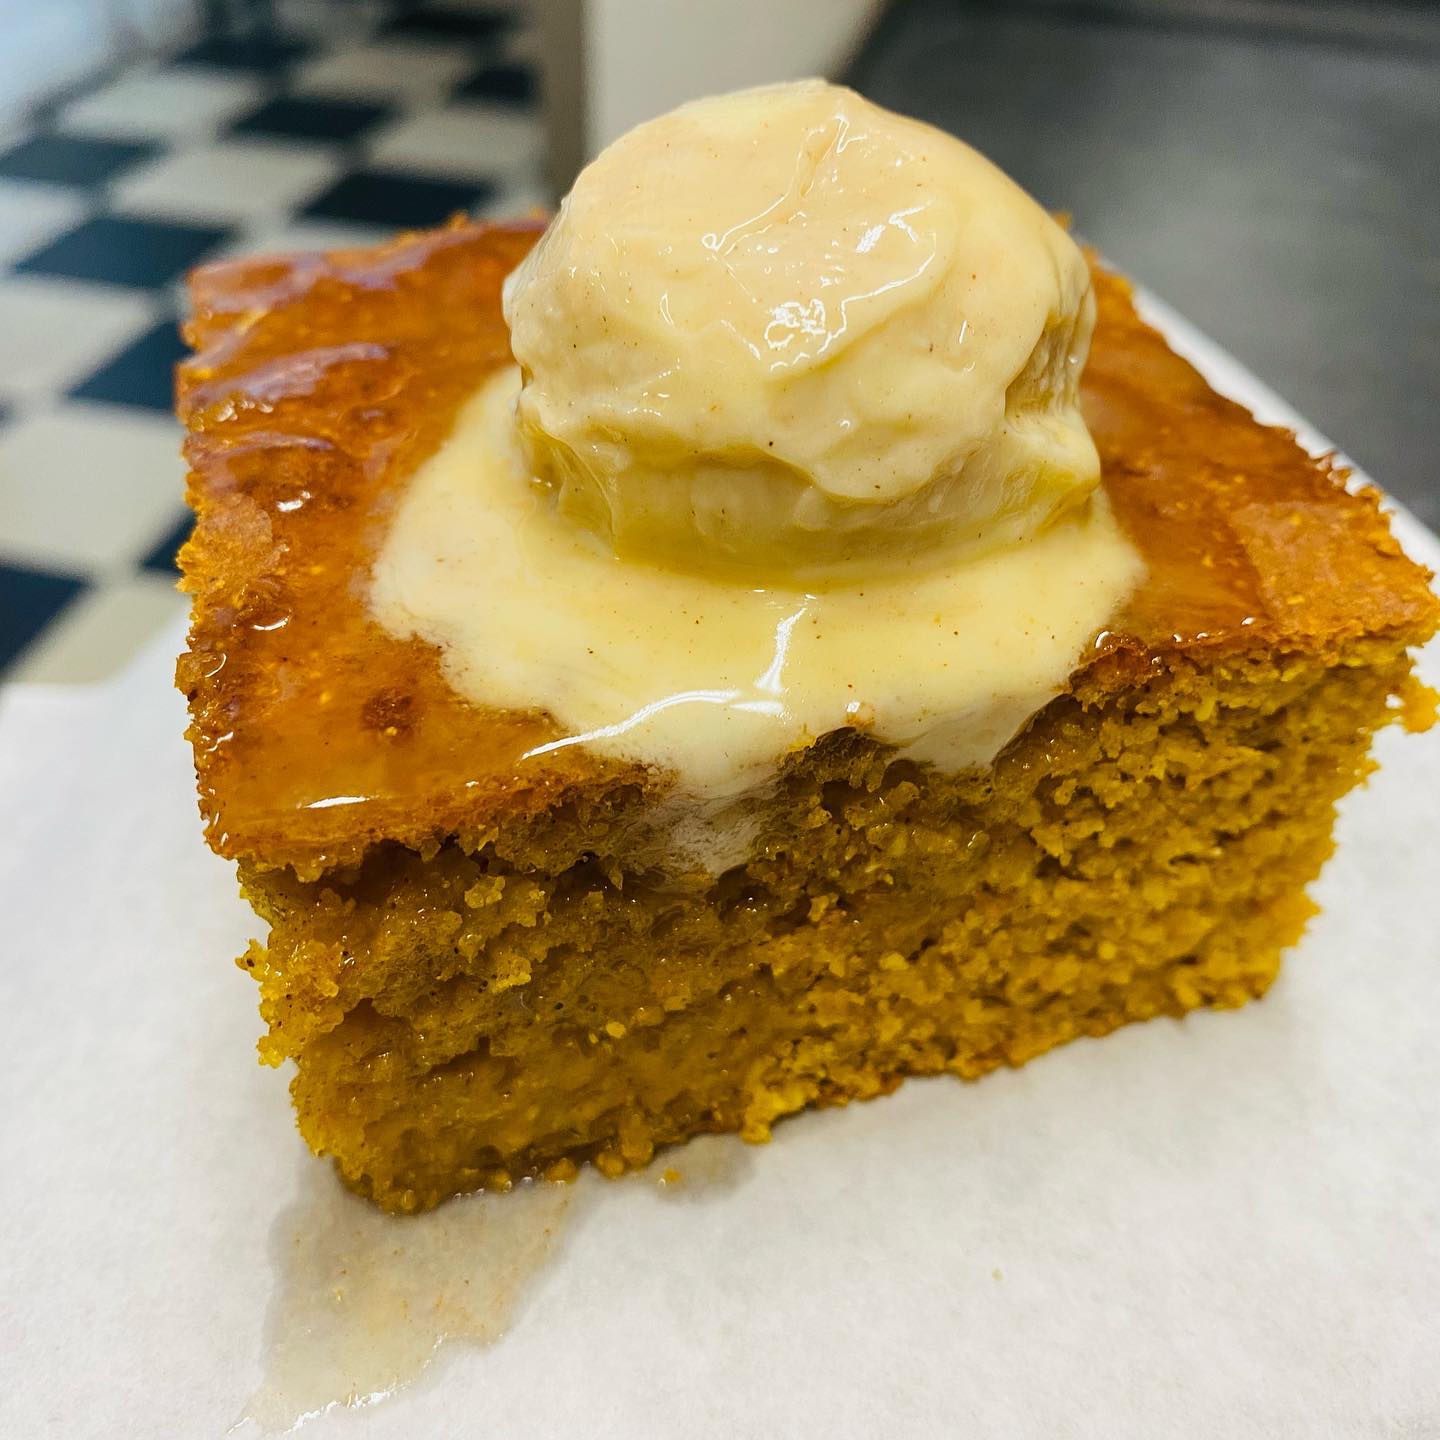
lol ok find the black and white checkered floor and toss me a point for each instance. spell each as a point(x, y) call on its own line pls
point(335, 125)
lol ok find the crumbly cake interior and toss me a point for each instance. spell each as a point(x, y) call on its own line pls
point(477, 969)
point(518, 1002)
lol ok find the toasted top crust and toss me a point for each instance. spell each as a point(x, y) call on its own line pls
point(320, 382)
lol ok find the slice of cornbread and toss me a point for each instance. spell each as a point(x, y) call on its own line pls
point(484, 967)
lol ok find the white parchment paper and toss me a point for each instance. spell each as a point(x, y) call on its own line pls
point(1228, 1226)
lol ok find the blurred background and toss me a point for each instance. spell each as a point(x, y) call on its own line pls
point(1269, 167)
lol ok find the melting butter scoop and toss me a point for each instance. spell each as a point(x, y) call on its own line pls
point(794, 443)
point(785, 331)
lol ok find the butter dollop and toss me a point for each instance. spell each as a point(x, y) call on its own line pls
point(792, 444)
point(787, 332)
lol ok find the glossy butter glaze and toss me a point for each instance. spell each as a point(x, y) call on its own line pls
point(319, 384)
point(717, 680)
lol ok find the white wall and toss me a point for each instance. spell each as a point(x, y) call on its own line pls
point(642, 57)
point(45, 44)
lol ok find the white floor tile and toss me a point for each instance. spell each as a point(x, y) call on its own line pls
point(52, 332)
point(88, 486)
point(409, 70)
point(228, 181)
point(173, 104)
point(463, 140)
point(525, 46)
point(478, 7)
point(31, 214)
point(97, 635)
point(325, 20)
point(296, 235)
point(520, 201)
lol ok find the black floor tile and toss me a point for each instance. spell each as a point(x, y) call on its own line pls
point(162, 558)
point(142, 374)
point(29, 601)
point(297, 117)
point(504, 84)
point(73, 159)
point(120, 250)
point(259, 53)
point(437, 23)
point(380, 197)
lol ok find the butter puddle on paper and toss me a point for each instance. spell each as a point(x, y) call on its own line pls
point(365, 1301)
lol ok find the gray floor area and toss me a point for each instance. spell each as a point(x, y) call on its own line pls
point(1279, 183)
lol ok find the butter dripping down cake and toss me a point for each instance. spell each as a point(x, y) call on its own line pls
point(489, 956)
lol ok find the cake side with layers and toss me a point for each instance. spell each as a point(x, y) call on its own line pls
point(481, 1015)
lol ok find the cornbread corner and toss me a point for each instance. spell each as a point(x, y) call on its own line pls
point(481, 972)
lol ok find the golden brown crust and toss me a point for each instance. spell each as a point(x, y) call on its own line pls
point(320, 382)
point(1251, 545)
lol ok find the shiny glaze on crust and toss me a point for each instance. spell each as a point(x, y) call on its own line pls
point(320, 382)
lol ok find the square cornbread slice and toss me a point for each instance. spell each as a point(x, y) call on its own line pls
point(478, 971)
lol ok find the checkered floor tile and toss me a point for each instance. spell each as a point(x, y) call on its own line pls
point(334, 125)
point(73, 159)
